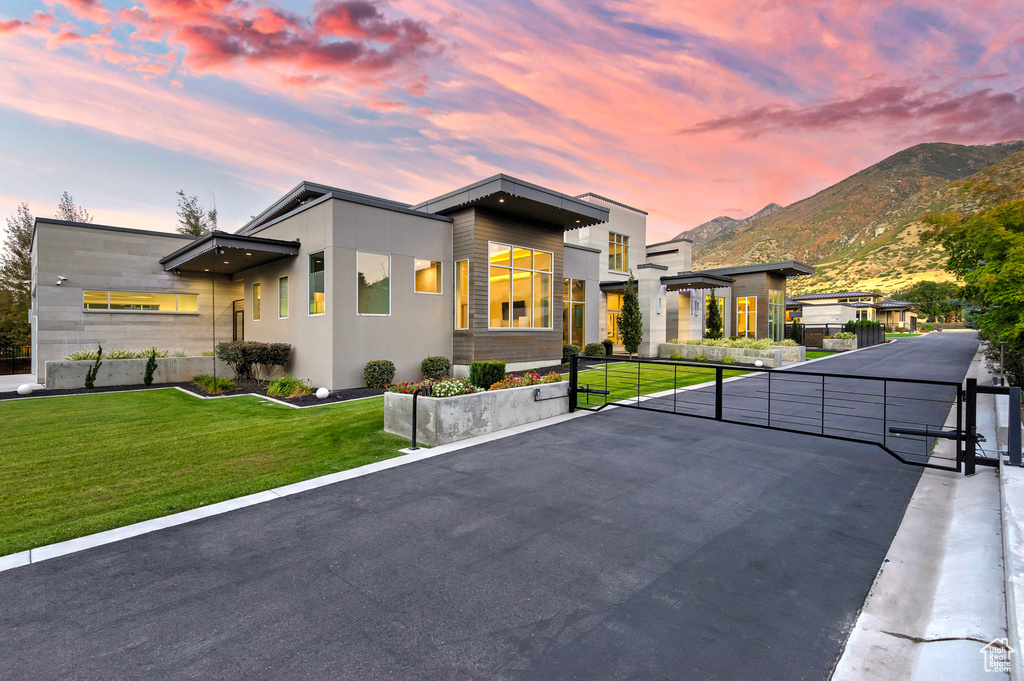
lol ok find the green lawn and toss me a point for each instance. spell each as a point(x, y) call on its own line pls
point(71, 466)
point(900, 335)
point(815, 354)
point(621, 378)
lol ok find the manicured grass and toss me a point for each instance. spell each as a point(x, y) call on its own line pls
point(621, 379)
point(900, 335)
point(71, 466)
point(815, 354)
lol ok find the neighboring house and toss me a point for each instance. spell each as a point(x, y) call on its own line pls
point(479, 273)
point(839, 308)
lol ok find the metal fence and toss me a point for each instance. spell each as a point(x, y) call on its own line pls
point(813, 335)
point(15, 359)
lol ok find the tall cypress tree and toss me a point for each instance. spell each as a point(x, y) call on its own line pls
point(631, 322)
point(714, 326)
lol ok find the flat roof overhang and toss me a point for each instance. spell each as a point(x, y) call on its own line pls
point(504, 194)
point(224, 253)
point(786, 268)
point(695, 280)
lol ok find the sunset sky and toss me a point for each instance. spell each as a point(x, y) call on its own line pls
point(688, 110)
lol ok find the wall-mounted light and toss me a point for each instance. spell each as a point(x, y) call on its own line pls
point(61, 279)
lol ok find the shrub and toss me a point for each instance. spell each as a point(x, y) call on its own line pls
point(213, 386)
point(81, 356)
point(435, 367)
point(147, 378)
point(179, 353)
point(844, 335)
point(485, 374)
point(253, 361)
point(378, 373)
point(158, 351)
point(701, 358)
point(525, 379)
point(762, 344)
point(121, 353)
point(728, 359)
point(789, 343)
point(608, 346)
point(927, 327)
point(208, 353)
point(288, 386)
point(593, 350)
point(568, 350)
point(90, 374)
point(675, 355)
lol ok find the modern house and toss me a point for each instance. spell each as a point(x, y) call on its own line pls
point(475, 274)
point(839, 308)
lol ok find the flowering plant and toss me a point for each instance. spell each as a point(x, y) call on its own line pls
point(528, 378)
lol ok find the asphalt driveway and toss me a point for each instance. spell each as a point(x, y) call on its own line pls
point(622, 545)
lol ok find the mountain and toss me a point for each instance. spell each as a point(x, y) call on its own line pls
point(863, 232)
point(723, 223)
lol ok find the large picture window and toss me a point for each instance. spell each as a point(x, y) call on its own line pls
point(138, 301)
point(746, 316)
point(462, 294)
point(317, 296)
point(373, 284)
point(282, 297)
point(618, 252)
point(519, 287)
point(428, 276)
point(574, 298)
point(614, 307)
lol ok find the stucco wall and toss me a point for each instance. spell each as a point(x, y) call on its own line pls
point(583, 265)
point(94, 258)
point(332, 349)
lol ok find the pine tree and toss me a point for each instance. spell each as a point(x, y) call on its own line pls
point(15, 276)
point(631, 322)
point(193, 219)
point(67, 210)
point(714, 325)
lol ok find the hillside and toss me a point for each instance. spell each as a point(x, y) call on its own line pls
point(863, 231)
point(701, 234)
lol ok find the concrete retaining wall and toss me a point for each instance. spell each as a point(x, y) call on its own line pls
point(64, 374)
point(839, 344)
point(771, 358)
point(792, 353)
point(441, 420)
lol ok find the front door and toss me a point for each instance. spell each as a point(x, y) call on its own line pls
point(238, 328)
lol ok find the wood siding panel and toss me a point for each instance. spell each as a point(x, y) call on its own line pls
point(473, 229)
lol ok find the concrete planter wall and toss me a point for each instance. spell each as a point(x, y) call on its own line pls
point(64, 374)
point(771, 358)
point(839, 344)
point(791, 353)
point(441, 420)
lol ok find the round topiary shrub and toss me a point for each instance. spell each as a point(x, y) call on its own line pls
point(379, 373)
point(593, 350)
point(568, 350)
point(436, 367)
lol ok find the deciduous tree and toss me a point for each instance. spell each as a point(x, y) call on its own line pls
point(15, 278)
point(193, 219)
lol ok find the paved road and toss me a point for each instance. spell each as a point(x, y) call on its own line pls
point(623, 545)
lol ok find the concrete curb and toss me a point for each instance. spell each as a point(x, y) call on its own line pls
point(837, 354)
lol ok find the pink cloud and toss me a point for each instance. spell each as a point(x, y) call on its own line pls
point(94, 10)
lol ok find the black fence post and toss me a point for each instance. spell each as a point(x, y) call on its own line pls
point(718, 393)
point(1013, 431)
point(573, 379)
point(415, 396)
point(971, 430)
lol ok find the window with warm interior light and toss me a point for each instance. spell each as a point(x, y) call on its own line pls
point(574, 299)
point(519, 287)
point(746, 316)
point(256, 302)
point(317, 296)
point(138, 301)
point(462, 294)
point(428, 276)
point(618, 252)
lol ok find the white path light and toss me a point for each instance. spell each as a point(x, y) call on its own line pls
point(322, 393)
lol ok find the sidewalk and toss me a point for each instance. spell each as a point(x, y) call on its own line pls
point(9, 384)
point(940, 595)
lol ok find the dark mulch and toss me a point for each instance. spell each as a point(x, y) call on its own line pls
point(243, 388)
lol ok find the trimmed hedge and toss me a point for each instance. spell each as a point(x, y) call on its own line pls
point(485, 374)
point(568, 350)
point(436, 367)
point(252, 360)
point(593, 350)
point(379, 373)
